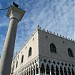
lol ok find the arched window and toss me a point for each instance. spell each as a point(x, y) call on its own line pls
point(70, 53)
point(53, 48)
point(22, 58)
point(30, 51)
point(16, 64)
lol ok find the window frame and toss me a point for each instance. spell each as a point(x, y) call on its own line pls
point(53, 48)
point(22, 58)
point(70, 52)
point(30, 52)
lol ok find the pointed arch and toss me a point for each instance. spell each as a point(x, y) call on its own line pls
point(42, 69)
point(47, 69)
point(70, 53)
point(61, 70)
point(52, 48)
point(65, 72)
point(73, 72)
point(69, 71)
point(52, 70)
point(30, 51)
point(57, 71)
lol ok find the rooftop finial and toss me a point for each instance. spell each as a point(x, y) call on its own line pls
point(38, 27)
point(57, 34)
point(47, 31)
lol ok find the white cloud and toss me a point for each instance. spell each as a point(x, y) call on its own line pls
point(0, 6)
point(54, 15)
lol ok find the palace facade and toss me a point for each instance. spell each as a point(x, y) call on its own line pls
point(45, 53)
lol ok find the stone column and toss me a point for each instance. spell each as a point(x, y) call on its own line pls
point(45, 69)
point(28, 70)
point(67, 71)
point(35, 68)
point(15, 15)
point(71, 71)
point(55, 70)
point(39, 70)
point(50, 69)
point(63, 70)
point(59, 69)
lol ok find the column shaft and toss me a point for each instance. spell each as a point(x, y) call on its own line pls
point(39, 70)
point(50, 69)
point(55, 70)
point(8, 49)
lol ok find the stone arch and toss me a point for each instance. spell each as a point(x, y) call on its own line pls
point(65, 71)
point(61, 70)
point(49, 61)
point(42, 69)
point(52, 48)
point(36, 68)
point(47, 69)
point(70, 53)
point(73, 72)
point(69, 72)
point(57, 70)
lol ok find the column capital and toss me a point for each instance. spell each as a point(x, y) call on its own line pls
point(14, 12)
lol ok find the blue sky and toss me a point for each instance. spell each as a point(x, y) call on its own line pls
point(53, 15)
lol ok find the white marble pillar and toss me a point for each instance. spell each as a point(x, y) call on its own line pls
point(30, 70)
point(35, 68)
point(15, 15)
point(39, 70)
point(26, 72)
